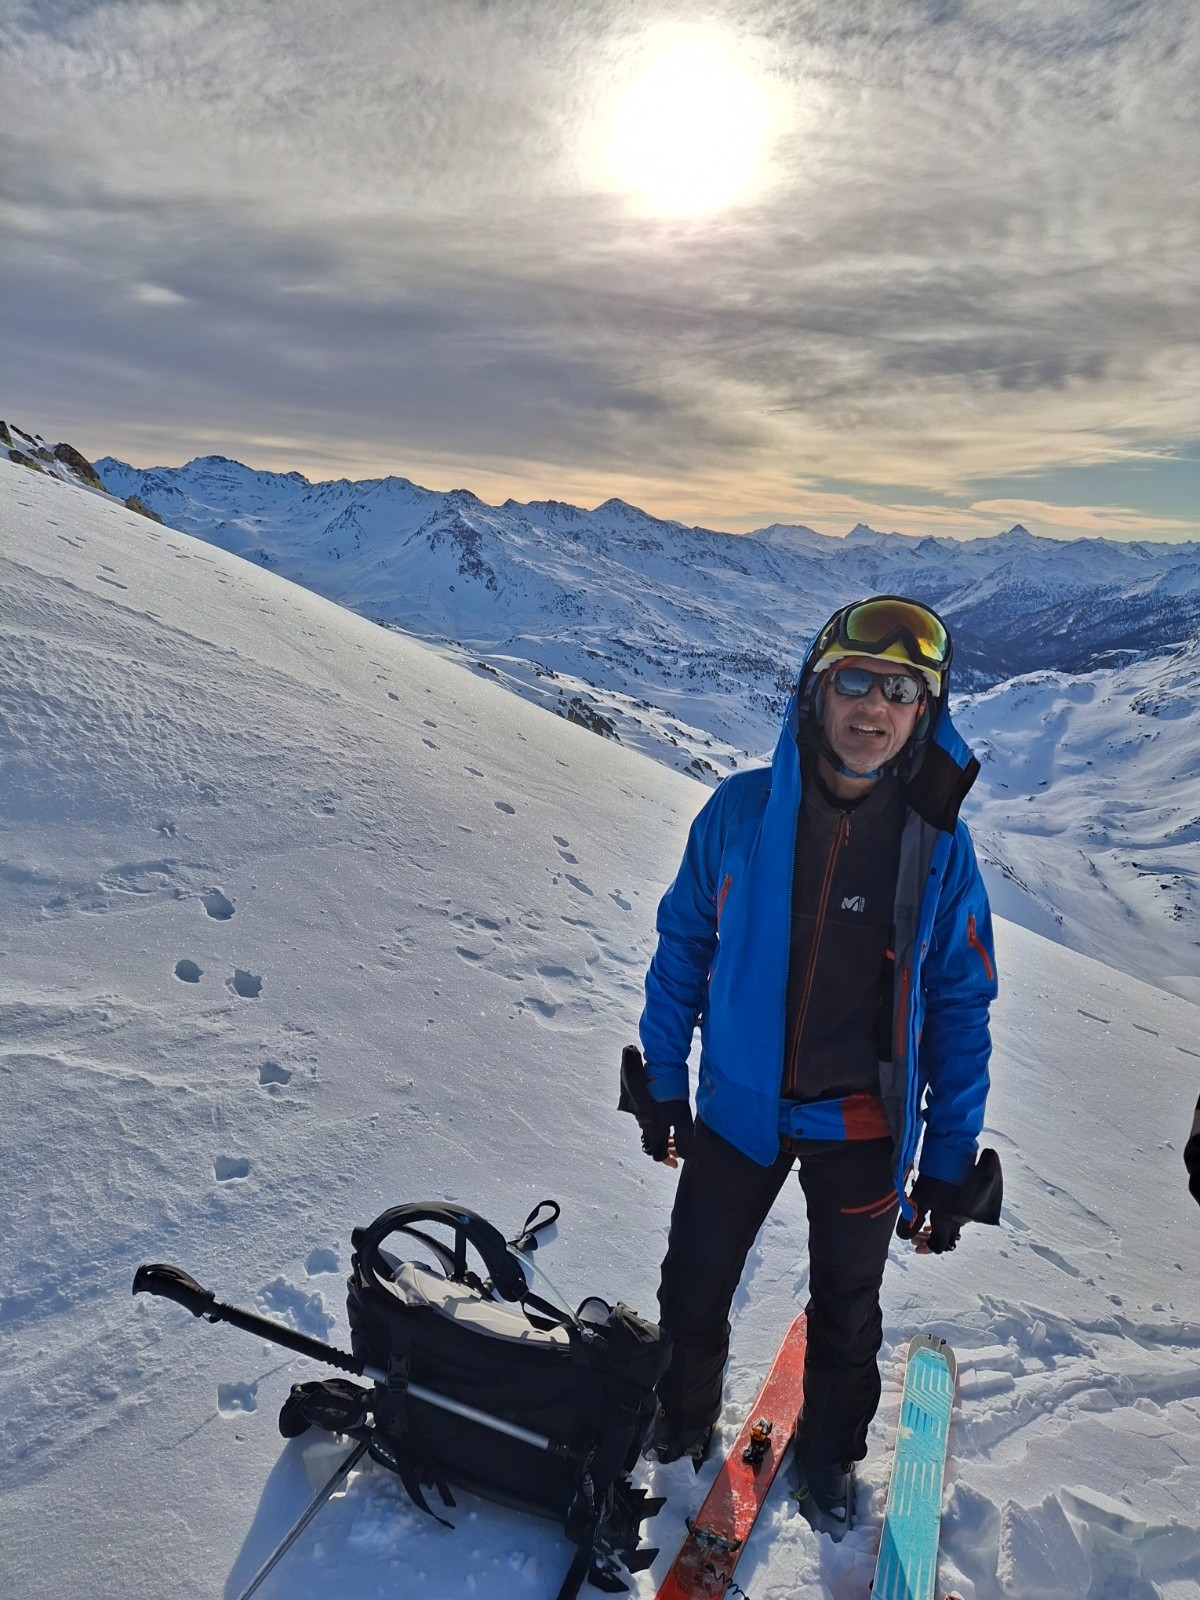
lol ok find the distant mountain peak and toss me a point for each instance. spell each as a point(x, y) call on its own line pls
point(787, 533)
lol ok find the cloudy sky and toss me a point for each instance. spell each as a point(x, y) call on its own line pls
point(932, 264)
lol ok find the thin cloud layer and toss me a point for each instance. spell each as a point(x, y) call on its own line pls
point(383, 238)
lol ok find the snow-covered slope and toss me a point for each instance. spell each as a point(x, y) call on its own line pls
point(683, 643)
point(1088, 810)
point(301, 919)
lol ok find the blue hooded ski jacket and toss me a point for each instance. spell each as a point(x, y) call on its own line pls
point(724, 930)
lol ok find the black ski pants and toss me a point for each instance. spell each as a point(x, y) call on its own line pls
point(720, 1204)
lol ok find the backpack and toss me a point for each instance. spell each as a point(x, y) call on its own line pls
point(482, 1384)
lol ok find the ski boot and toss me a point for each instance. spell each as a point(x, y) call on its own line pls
point(667, 1442)
point(825, 1496)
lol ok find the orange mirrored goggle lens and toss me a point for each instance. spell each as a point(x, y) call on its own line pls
point(877, 623)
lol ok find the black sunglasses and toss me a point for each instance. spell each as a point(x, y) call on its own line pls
point(857, 682)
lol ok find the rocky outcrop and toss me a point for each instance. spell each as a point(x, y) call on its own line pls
point(78, 464)
point(132, 503)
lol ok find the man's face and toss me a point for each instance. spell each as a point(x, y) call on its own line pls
point(869, 732)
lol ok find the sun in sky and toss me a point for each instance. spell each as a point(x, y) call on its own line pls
point(692, 129)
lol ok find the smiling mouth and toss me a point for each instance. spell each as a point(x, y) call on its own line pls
point(873, 733)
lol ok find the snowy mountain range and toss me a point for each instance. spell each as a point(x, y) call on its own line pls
point(1080, 657)
point(684, 608)
point(300, 918)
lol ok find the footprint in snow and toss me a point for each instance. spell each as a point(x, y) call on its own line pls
point(306, 1311)
point(321, 1261)
point(217, 904)
point(230, 1169)
point(272, 1076)
point(233, 1398)
point(546, 1009)
point(188, 971)
point(578, 883)
point(503, 805)
point(248, 985)
point(625, 905)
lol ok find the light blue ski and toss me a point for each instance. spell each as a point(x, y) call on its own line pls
point(908, 1551)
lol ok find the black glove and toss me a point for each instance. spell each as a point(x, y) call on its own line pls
point(939, 1200)
point(948, 1205)
point(1191, 1157)
point(658, 1119)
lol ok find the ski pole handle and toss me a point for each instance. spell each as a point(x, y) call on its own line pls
point(174, 1284)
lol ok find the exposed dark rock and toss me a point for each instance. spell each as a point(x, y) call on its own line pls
point(142, 509)
point(578, 711)
point(79, 465)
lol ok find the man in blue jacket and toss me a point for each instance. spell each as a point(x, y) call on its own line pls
point(829, 932)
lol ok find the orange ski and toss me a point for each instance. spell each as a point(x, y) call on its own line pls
point(718, 1532)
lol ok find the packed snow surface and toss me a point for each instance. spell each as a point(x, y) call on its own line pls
point(302, 919)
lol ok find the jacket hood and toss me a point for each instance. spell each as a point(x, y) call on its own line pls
point(940, 765)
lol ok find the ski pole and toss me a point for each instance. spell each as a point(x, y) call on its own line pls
point(297, 1528)
point(172, 1283)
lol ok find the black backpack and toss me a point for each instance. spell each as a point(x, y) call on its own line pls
point(483, 1384)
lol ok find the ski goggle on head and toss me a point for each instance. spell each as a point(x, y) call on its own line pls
point(901, 688)
point(891, 628)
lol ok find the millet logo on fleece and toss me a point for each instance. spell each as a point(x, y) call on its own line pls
point(854, 902)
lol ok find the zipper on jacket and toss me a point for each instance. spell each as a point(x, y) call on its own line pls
point(721, 893)
point(840, 835)
point(902, 1014)
point(976, 943)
